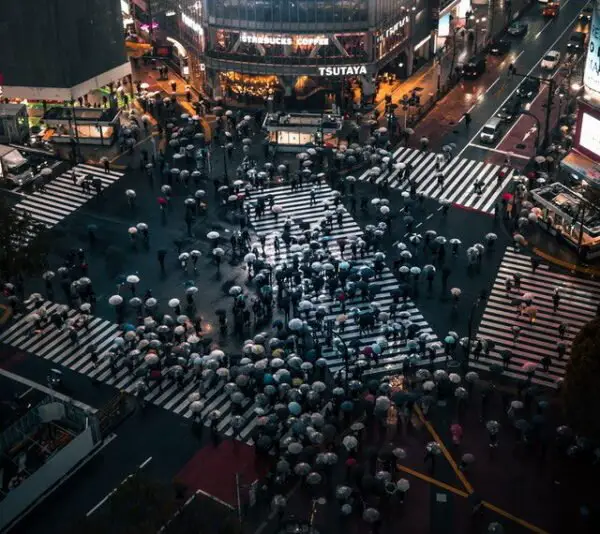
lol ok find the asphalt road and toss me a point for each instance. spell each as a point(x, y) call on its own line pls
point(526, 53)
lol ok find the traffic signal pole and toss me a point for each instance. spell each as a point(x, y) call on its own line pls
point(512, 71)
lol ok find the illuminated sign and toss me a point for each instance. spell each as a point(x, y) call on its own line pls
point(192, 24)
point(349, 70)
point(396, 27)
point(591, 77)
point(589, 138)
point(287, 40)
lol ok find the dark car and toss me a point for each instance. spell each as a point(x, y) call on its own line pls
point(576, 43)
point(585, 17)
point(517, 29)
point(529, 88)
point(500, 47)
point(510, 111)
point(474, 68)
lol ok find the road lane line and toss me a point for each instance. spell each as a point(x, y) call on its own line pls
point(567, 28)
point(490, 87)
point(512, 154)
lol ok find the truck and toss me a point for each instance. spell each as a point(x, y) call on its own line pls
point(15, 170)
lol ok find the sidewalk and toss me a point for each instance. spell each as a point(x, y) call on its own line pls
point(145, 73)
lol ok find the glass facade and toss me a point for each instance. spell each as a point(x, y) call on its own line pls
point(290, 11)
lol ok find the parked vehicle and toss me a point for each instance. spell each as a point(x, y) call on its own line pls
point(491, 131)
point(15, 170)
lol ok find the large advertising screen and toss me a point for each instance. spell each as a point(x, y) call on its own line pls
point(589, 138)
point(591, 77)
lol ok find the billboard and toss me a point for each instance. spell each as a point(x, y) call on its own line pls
point(587, 131)
point(591, 76)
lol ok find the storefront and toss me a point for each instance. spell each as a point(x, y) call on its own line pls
point(567, 215)
point(92, 126)
point(293, 132)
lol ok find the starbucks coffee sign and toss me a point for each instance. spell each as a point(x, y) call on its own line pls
point(345, 70)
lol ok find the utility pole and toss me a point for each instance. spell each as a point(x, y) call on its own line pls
point(549, 106)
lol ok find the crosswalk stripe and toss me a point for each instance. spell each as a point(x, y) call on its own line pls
point(55, 346)
point(297, 206)
point(61, 196)
point(459, 177)
point(579, 300)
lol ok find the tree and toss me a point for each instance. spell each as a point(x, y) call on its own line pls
point(580, 396)
point(24, 244)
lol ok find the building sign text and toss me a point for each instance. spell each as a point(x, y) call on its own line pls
point(286, 40)
point(591, 77)
point(392, 30)
point(349, 70)
point(192, 24)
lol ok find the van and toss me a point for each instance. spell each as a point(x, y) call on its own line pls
point(491, 130)
point(474, 68)
point(15, 170)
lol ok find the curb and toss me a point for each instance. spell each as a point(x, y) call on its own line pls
point(573, 267)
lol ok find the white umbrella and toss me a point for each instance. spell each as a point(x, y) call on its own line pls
point(173, 303)
point(133, 279)
point(115, 300)
point(213, 235)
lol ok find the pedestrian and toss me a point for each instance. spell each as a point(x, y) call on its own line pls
point(517, 280)
point(561, 349)
point(535, 263)
point(546, 360)
point(161, 254)
point(467, 117)
point(562, 330)
point(555, 299)
point(516, 330)
point(508, 286)
point(106, 166)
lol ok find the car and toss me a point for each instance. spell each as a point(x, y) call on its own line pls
point(491, 130)
point(511, 109)
point(585, 16)
point(529, 88)
point(551, 9)
point(551, 60)
point(500, 47)
point(576, 44)
point(474, 68)
point(517, 29)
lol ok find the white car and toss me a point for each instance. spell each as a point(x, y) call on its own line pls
point(551, 60)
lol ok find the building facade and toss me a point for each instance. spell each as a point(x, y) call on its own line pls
point(58, 50)
point(294, 48)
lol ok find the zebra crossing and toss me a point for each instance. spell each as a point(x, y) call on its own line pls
point(460, 175)
point(298, 207)
point(64, 194)
point(55, 346)
point(577, 306)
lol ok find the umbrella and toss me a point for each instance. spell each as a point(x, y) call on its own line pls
point(213, 235)
point(403, 485)
point(133, 279)
point(371, 515)
point(115, 300)
point(302, 469)
point(173, 303)
point(313, 478)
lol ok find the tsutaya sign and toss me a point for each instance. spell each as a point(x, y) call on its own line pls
point(348, 70)
point(289, 40)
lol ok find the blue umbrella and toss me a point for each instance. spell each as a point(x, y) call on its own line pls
point(294, 408)
point(347, 406)
point(128, 327)
point(268, 378)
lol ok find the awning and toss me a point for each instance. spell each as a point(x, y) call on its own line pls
point(583, 167)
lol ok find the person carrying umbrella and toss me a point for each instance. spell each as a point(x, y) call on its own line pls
point(555, 299)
